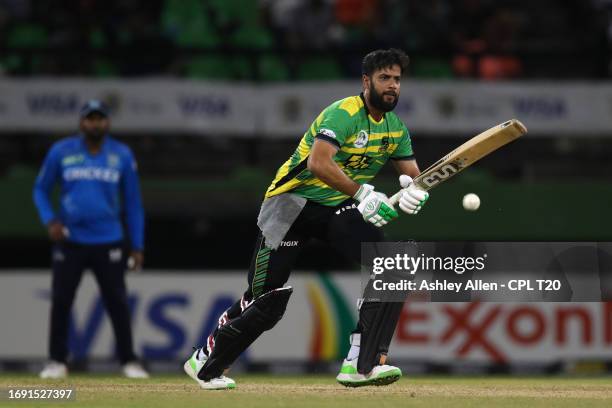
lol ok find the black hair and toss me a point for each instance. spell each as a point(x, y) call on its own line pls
point(380, 59)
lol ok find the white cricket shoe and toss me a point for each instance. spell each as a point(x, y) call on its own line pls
point(134, 370)
point(54, 370)
point(192, 368)
point(380, 375)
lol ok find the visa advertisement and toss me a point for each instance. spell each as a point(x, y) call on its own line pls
point(164, 106)
point(172, 311)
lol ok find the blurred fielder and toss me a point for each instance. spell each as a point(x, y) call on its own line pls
point(98, 182)
point(322, 192)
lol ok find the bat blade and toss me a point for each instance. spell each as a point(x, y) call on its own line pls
point(467, 154)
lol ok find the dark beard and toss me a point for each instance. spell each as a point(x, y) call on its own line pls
point(95, 136)
point(378, 102)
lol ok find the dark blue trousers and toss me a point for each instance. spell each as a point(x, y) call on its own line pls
point(108, 263)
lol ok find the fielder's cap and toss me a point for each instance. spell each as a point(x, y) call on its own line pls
point(92, 106)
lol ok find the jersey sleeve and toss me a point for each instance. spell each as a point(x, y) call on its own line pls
point(47, 177)
point(132, 202)
point(334, 126)
point(404, 148)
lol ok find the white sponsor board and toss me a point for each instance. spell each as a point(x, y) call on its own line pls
point(243, 109)
point(171, 313)
point(448, 107)
point(174, 311)
point(151, 105)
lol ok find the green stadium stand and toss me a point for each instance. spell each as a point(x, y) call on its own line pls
point(101, 67)
point(433, 68)
point(187, 22)
point(319, 68)
point(272, 68)
point(24, 35)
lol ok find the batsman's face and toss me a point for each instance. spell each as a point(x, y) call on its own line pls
point(384, 87)
point(94, 126)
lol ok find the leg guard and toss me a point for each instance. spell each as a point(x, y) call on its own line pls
point(377, 321)
point(240, 332)
point(380, 310)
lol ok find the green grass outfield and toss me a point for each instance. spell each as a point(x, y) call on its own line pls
point(178, 391)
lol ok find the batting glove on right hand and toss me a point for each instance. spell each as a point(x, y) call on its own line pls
point(412, 198)
point(375, 207)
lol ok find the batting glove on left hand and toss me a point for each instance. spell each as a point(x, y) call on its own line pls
point(412, 198)
point(375, 207)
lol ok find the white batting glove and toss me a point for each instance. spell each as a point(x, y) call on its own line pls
point(412, 198)
point(375, 207)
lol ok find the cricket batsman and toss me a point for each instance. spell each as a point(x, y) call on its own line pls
point(323, 192)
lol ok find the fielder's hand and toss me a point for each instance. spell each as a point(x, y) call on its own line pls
point(375, 207)
point(135, 261)
point(57, 231)
point(412, 198)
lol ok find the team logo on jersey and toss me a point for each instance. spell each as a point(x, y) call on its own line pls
point(328, 133)
point(362, 139)
point(113, 160)
point(74, 159)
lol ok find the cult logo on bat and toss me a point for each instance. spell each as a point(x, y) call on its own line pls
point(442, 173)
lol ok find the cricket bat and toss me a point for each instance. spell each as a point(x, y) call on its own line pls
point(467, 154)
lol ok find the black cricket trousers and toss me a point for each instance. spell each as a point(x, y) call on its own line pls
point(342, 227)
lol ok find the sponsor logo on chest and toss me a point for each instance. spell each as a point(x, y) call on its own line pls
point(92, 173)
point(79, 167)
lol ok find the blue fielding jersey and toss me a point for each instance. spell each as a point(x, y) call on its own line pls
point(95, 191)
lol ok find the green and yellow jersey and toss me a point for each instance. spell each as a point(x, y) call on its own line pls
point(364, 146)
